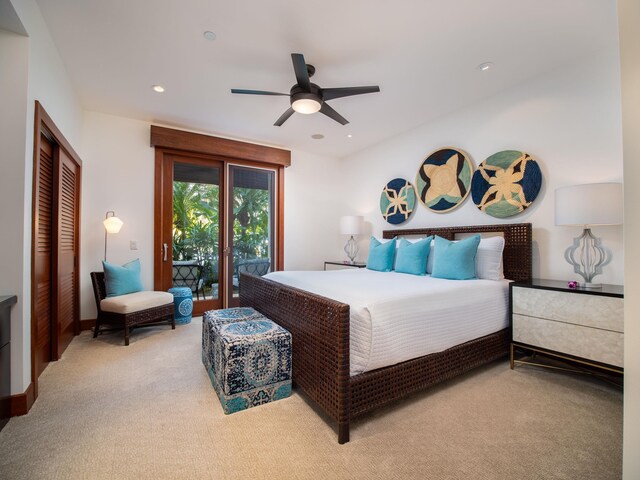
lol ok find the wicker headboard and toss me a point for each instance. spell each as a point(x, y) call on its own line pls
point(517, 244)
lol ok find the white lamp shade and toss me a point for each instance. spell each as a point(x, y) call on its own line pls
point(113, 224)
point(591, 204)
point(351, 225)
point(306, 106)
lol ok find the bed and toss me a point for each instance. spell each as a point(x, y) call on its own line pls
point(320, 328)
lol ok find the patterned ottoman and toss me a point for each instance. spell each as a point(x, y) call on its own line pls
point(218, 317)
point(247, 357)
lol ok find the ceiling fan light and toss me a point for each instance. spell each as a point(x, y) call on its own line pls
point(306, 105)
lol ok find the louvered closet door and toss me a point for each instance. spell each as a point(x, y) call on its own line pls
point(43, 210)
point(67, 247)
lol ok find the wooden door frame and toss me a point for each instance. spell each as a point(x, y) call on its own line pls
point(43, 124)
point(178, 142)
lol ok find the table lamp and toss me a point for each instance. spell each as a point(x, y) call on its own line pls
point(351, 225)
point(588, 205)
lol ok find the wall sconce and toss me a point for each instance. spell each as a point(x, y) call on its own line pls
point(112, 224)
point(589, 205)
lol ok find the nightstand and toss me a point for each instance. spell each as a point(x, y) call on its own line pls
point(343, 265)
point(580, 325)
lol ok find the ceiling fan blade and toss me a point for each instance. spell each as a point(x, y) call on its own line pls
point(331, 93)
point(300, 68)
point(331, 113)
point(283, 117)
point(257, 92)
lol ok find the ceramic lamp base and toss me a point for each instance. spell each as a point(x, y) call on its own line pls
point(351, 249)
point(587, 256)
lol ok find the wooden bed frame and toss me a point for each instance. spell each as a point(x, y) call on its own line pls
point(320, 330)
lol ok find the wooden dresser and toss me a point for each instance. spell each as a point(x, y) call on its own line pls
point(6, 302)
point(583, 325)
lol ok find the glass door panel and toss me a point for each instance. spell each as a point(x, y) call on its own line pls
point(252, 221)
point(196, 231)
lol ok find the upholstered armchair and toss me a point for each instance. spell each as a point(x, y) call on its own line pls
point(132, 309)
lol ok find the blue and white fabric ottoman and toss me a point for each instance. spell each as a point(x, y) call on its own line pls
point(219, 317)
point(247, 357)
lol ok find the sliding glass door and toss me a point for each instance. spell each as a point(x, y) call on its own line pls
point(215, 221)
point(251, 235)
point(192, 226)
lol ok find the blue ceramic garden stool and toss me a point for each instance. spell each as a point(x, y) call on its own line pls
point(183, 304)
point(248, 359)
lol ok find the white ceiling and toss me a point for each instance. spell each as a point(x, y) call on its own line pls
point(422, 53)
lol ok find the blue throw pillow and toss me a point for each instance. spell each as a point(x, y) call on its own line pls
point(455, 260)
point(412, 257)
point(381, 255)
point(120, 280)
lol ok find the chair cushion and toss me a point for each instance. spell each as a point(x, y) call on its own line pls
point(135, 302)
point(120, 280)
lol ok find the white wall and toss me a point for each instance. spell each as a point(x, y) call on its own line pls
point(118, 175)
point(13, 98)
point(314, 192)
point(14, 51)
point(46, 80)
point(569, 120)
point(629, 15)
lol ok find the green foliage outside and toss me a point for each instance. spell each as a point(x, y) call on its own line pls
point(196, 225)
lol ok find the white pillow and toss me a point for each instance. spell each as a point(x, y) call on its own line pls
point(432, 253)
point(488, 258)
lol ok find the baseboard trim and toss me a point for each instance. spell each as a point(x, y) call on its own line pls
point(87, 324)
point(22, 402)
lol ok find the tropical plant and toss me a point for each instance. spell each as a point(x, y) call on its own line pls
point(196, 224)
point(250, 223)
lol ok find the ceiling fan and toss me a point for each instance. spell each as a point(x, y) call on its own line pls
point(307, 97)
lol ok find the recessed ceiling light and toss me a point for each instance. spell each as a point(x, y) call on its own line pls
point(349, 135)
point(317, 136)
point(485, 66)
point(158, 88)
point(209, 35)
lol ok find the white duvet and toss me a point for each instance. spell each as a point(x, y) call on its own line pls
point(397, 317)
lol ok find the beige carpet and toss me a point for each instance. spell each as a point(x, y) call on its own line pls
point(148, 411)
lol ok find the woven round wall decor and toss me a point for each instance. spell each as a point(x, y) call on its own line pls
point(397, 201)
point(506, 183)
point(443, 179)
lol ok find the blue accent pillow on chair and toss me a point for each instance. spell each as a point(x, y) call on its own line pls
point(455, 260)
point(381, 255)
point(120, 280)
point(412, 257)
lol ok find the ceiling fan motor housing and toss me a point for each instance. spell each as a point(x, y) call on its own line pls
point(303, 101)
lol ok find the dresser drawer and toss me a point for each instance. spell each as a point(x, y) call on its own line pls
point(586, 342)
point(5, 332)
point(577, 308)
